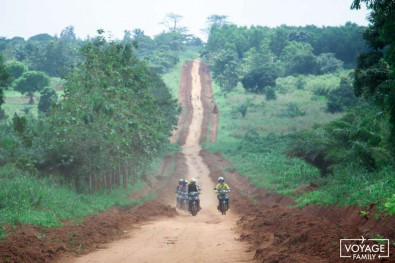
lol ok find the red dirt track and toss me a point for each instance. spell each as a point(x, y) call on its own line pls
point(258, 227)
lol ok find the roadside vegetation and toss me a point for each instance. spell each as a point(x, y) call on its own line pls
point(298, 108)
point(94, 123)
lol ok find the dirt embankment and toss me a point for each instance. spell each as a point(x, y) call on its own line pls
point(27, 243)
point(38, 244)
point(185, 103)
point(279, 234)
point(210, 117)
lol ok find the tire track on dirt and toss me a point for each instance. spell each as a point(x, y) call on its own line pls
point(208, 237)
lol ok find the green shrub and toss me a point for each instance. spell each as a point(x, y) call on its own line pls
point(390, 205)
point(342, 97)
point(270, 93)
point(292, 111)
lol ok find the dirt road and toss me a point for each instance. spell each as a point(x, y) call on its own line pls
point(208, 237)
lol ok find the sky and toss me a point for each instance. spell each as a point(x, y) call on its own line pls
point(27, 18)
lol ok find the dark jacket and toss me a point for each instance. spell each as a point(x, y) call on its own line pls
point(193, 188)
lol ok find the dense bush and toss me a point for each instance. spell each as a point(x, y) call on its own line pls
point(48, 97)
point(360, 137)
point(341, 98)
point(259, 78)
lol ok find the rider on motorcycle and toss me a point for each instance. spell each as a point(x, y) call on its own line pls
point(179, 189)
point(184, 186)
point(222, 186)
point(193, 187)
point(180, 183)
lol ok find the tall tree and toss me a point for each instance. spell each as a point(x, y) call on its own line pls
point(172, 22)
point(375, 74)
point(4, 79)
point(68, 34)
point(115, 115)
point(226, 69)
point(278, 41)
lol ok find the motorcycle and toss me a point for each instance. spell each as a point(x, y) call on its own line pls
point(184, 201)
point(193, 198)
point(223, 201)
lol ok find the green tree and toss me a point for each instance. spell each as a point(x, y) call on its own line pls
point(115, 116)
point(216, 21)
point(328, 63)
point(259, 78)
point(375, 74)
point(298, 58)
point(31, 82)
point(68, 34)
point(41, 38)
point(225, 69)
point(172, 22)
point(48, 97)
point(16, 69)
point(278, 41)
point(4, 79)
point(342, 97)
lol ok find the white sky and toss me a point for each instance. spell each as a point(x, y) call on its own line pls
point(27, 18)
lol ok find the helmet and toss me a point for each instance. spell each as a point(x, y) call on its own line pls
point(193, 181)
point(185, 181)
point(180, 181)
point(221, 179)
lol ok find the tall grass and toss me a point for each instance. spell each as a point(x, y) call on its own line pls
point(26, 199)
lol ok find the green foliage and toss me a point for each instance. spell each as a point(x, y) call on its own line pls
point(360, 137)
point(374, 75)
point(260, 156)
point(16, 69)
point(31, 82)
point(270, 93)
point(259, 78)
point(243, 108)
point(390, 205)
point(260, 159)
point(298, 58)
point(341, 98)
point(4, 78)
point(48, 97)
point(345, 42)
point(363, 213)
point(292, 111)
point(19, 124)
point(278, 41)
point(321, 91)
point(163, 59)
point(300, 83)
point(114, 113)
point(225, 69)
point(25, 199)
point(328, 63)
point(353, 185)
point(41, 38)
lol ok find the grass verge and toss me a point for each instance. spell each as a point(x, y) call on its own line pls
point(256, 145)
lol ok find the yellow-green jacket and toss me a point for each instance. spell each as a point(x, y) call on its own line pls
point(220, 187)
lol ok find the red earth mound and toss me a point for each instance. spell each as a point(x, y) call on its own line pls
point(38, 244)
point(277, 233)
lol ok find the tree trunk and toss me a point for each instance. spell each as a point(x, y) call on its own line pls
point(125, 176)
